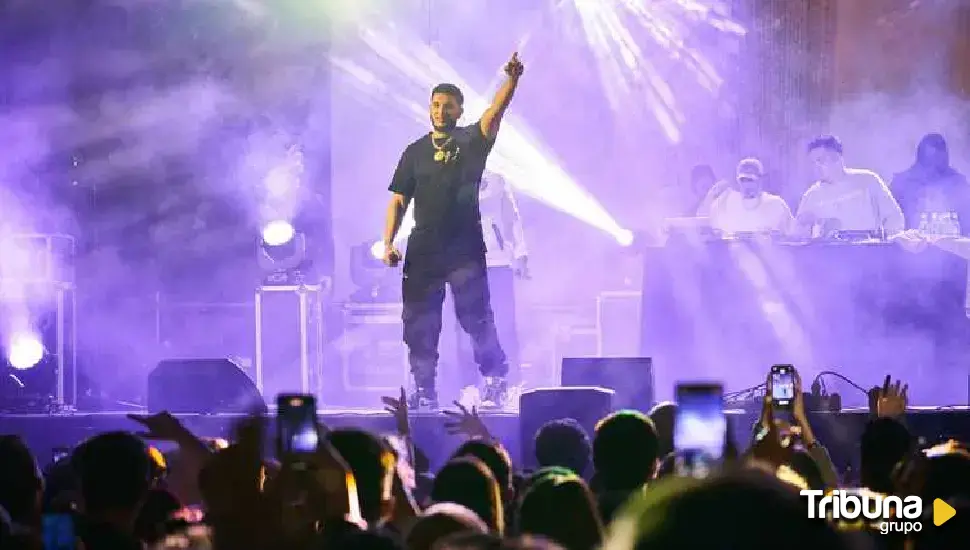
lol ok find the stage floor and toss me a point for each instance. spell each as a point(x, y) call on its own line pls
point(838, 431)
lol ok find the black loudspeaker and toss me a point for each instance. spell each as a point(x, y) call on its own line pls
point(202, 386)
point(585, 405)
point(630, 377)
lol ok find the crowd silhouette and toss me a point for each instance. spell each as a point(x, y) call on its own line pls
point(616, 488)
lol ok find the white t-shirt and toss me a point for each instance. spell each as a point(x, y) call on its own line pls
point(860, 201)
point(733, 213)
point(501, 224)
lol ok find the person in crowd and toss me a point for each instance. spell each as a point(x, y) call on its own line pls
point(746, 508)
point(114, 471)
point(625, 458)
point(468, 481)
point(663, 414)
point(845, 199)
point(21, 484)
point(540, 512)
point(748, 208)
point(563, 443)
point(372, 463)
point(440, 521)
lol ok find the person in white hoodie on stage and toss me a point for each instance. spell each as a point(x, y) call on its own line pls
point(507, 259)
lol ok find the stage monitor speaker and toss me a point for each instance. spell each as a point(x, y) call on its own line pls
point(585, 405)
point(630, 377)
point(202, 386)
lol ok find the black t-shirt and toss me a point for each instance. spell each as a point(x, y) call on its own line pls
point(447, 220)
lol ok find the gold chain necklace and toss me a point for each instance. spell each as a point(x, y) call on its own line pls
point(440, 154)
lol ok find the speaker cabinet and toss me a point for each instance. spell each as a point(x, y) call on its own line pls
point(630, 377)
point(201, 386)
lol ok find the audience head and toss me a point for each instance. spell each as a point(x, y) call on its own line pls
point(625, 451)
point(114, 471)
point(372, 463)
point(885, 442)
point(932, 153)
point(563, 443)
point(478, 541)
point(561, 508)
point(943, 472)
point(741, 509)
point(440, 521)
point(467, 481)
point(494, 456)
point(662, 415)
point(826, 155)
point(21, 484)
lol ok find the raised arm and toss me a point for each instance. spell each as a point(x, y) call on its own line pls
point(492, 118)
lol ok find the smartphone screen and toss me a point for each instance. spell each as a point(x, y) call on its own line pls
point(782, 386)
point(58, 532)
point(296, 425)
point(700, 428)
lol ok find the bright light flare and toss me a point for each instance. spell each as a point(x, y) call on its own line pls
point(624, 237)
point(377, 250)
point(24, 351)
point(278, 232)
point(612, 30)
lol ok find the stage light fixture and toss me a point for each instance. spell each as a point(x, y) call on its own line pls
point(278, 232)
point(24, 351)
point(375, 282)
point(282, 254)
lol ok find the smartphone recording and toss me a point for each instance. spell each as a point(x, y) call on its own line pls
point(782, 386)
point(700, 429)
point(296, 425)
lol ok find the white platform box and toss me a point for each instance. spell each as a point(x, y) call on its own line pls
point(372, 351)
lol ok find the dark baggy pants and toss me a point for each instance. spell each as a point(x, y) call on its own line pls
point(423, 293)
point(501, 285)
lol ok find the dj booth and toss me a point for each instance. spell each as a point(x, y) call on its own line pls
point(728, 309)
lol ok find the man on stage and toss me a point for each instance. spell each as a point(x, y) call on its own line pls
point(441, 173)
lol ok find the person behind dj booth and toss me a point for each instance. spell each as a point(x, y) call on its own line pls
point(747, 207)
point(934, 197)
point(845, 199)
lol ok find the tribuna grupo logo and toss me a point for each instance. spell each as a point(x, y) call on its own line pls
point(891, 514)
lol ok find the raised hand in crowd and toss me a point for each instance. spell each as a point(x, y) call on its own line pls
point(466, 422)
point(771, 442)
point(398, 407)
point(891, 400)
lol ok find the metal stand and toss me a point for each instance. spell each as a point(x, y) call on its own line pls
point(274, 334)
